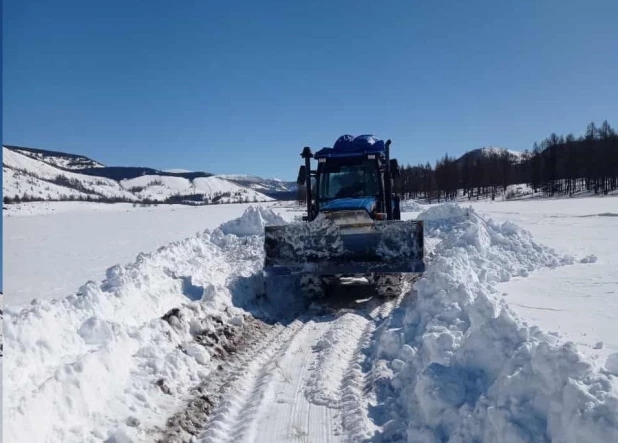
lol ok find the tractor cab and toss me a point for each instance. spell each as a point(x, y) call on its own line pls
point(348, 179)
point(359, 232)
point(356, 173)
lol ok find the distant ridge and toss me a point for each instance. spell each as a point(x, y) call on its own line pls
point(41, 175)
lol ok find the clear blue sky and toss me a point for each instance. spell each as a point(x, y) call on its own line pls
point(242, 86)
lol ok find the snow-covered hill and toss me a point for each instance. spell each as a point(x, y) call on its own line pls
point(214, 189)
point(489, 151)
point(31, 178)
point(59, 159)
point(260, 184)
point(45, 175)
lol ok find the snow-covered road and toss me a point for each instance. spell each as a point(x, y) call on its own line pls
point(267, 402)
point(303, 381)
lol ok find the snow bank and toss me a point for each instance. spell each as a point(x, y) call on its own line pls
point(252, 222)
point(125, 350)
point(448, 212)
point(411, 206)
point(611, 365)
point(467, 369)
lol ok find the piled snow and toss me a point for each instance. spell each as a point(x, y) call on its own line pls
point(468, 369)
point(580, 302)
point(252, 222)
point(301, 240)
point(448, 212)
point(456, 364)
point(589, 259)
point(50, 249)
point(411, 206)
point(611, 364)
point(125, 350)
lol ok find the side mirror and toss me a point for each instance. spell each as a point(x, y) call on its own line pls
point(302, 176)
point(394, 167)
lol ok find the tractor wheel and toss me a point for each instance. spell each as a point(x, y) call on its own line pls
point(389, 285)
point(312, 286)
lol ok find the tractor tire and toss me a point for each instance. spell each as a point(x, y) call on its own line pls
point(389, 285)
point(312, 286)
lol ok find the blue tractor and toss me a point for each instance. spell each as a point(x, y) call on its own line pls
point(353, 225)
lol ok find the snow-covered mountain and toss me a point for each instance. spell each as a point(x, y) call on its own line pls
point(59, 159)
point(489, 151)
point(211, 189)
point(45, 175)
point(178, 171)
point(265, 185)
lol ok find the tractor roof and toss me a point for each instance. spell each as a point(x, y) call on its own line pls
point(350, 146)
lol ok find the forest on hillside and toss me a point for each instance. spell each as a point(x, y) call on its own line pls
point(558, 165)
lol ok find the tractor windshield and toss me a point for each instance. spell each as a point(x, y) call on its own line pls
point(349, 181)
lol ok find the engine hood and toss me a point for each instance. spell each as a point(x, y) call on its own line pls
point(342, 204)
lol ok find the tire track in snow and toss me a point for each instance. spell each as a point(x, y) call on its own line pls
point(306, 385)
point(301, 382)
point(191, 420)
point(336, 378)
point(354, 405)
point(334, 352)
point(356, 388)
point(233, 419)
point(287, 414)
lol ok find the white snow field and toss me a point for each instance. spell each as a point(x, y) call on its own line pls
point(52, 248)
point(182, 346)
point(580, 301)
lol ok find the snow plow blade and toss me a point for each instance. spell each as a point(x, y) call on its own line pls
point(325, 248)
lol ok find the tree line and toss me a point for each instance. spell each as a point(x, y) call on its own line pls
point(558, 166)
